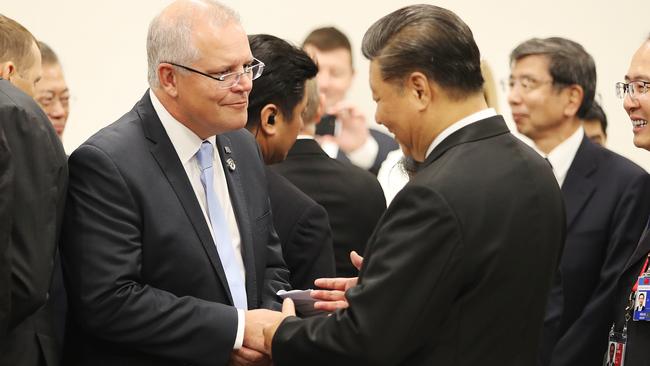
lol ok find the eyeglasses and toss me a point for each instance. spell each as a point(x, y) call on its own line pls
point(226, 81)
point(633, 88)
point(526, 83)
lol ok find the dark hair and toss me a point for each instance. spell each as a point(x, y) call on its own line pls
point(428, 39)
point(596, 113)
point(569, 64)
point(15, 43)
point(283, 80)
point(327, 39)
point(48, 56)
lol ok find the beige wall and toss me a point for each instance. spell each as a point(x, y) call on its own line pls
point(102, 44)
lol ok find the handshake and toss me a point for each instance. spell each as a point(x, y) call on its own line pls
point(261, 324)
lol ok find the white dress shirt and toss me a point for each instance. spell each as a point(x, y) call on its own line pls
point(187, 144)
point(475, 117)
point(563, 154)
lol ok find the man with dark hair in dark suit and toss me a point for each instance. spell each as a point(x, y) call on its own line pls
point(33, 178)
point(446, 278)
point(352, 197)
point(553, 84)
point(168, 239)
point(275, 110)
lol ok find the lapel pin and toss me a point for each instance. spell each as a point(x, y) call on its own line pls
point(227, 149)
point(231, 164)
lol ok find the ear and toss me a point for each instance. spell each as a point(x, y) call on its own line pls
point(575, 95)
point(7, 69)
point(267, 111)
point(167, 78)
point(418, 86)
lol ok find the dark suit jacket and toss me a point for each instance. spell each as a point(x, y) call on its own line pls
point(458, 269)
point(304, 231)
point(607, 203)
point(638, 333)
point(144, 279)
point(37, 187)
point(385, 143)
point(352, 197)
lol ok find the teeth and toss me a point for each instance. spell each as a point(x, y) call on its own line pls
point(639, 123)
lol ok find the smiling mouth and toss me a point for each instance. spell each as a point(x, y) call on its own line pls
point(638, 123)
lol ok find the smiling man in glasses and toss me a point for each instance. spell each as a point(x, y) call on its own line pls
point(635, 92)
point(169, 238)
point(552, 87)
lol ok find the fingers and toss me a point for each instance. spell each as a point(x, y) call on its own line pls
point(249, 357)
point(288, 308)
point(356, 260)
point(332, 283)
point(324, 295)
point(330, 305)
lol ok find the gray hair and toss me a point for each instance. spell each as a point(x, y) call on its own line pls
point(569, 64)
point(170, 35)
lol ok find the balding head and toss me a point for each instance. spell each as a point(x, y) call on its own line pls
point(170, 33)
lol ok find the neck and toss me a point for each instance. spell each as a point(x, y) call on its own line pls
point(440, 116)
point(308, 129)
point(550, 139)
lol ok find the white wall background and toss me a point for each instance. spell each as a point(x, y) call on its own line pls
point(102, 44)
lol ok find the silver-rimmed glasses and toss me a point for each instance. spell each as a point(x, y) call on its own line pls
point(228, 80)
point(633, 88)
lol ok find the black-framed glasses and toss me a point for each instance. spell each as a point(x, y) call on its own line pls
point(226, 81)
point(633, 88)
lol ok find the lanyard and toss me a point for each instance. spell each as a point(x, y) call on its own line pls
point(643, 270)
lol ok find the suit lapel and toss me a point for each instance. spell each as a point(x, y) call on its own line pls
point(229, 160)
point(165, 155)
point(578, 186)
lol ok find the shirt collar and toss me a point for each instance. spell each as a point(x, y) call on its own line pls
point(186, 142)
point(562, 155)
point(475, 117)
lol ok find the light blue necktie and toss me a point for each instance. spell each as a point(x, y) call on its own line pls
point(220, 230)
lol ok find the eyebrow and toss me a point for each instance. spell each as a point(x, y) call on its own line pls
point(226, 68)
point(637, 77)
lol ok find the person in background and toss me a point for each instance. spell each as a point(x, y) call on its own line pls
point(51, 91)
point(595, 124)
point(351, 140)
point(552, 87)
point(635, 92)
point(275, 109)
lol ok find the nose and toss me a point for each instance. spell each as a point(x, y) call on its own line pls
point(245, 83)
point(630, 104)
point(323, 78)
point(56, 109)
point(514, 96)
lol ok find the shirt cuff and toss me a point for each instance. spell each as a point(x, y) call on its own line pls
point(366, 154)
point(241, 324)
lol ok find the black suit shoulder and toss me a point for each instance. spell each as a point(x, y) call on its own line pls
point(352, 197)
point(37, 183)
point(304, 231)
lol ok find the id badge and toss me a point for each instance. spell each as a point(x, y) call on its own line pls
point(641, 311)
point(616, 349)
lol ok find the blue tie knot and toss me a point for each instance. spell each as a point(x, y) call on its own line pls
point(205, 155)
